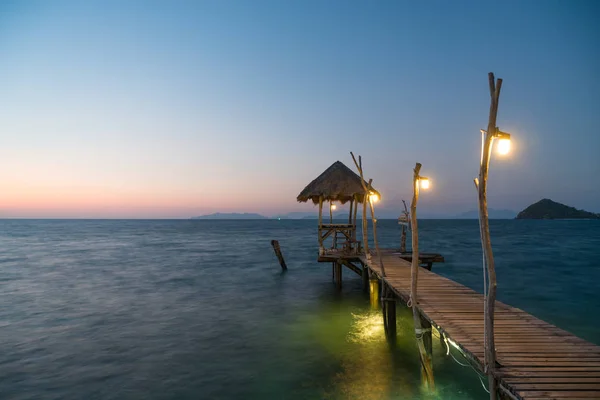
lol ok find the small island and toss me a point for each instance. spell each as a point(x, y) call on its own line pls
point(548, 209)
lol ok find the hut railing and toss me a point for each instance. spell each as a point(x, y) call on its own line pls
point(342, 237)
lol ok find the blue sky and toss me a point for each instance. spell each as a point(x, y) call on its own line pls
point(171, 109)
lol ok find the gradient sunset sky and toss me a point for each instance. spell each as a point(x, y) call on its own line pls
point(169, 109)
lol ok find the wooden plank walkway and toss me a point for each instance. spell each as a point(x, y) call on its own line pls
point(538, 360)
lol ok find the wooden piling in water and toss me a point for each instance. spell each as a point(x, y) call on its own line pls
point(426, 362)
point(338, 275)
point(374, 291)
point(365, 278)
point(277, 250)
point(389, 303)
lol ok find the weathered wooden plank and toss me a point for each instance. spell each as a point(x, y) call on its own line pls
point(533, 353)
point(556, 386)
point(558, 394)
point(529, 369)
point(538, 359)
point(538, 379)
point(568, 363)
point(518, 373)
point(556, 398)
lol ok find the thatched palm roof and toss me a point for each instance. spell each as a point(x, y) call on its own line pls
point(338, 183)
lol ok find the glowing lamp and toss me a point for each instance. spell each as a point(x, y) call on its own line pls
point(333, 206)
point(424, 183)
point(374, 197)
point(504, 146)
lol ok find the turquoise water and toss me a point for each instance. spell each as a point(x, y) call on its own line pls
point(201, 309)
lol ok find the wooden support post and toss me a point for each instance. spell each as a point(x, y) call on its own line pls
point(354, 217)
point(330, 213)
point(365, 228)
point(390, 308)
point(374, 291)
point(368, 188)
point(486, 244)
point(414, 303)
point(320, 224)
point(364, 211)
point(334, 240)
point(277, 250)
point(338, 268)
point(384, 310)
point(403, 240)
point(365, 278)
point(404, 229)
point(350, 213)
point(374, 222)
point(427, 364)
point(333, 271)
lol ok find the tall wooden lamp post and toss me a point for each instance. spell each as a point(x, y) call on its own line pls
point(487, 141)
point(426, 366)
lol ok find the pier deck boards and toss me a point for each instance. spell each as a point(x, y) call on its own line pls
point(538, 360)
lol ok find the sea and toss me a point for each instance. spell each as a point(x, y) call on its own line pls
point(200, 309)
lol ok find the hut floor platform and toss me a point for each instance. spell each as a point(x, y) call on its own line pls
point(537, 360)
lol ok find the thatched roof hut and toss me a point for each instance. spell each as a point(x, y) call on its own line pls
point(338, 183)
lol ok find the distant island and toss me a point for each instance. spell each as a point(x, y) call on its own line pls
point(231, 216)
point(548, 209)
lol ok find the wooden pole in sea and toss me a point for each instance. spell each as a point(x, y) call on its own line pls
point(277, 250)
point(486, 243)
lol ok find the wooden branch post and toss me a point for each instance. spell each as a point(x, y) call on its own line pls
point(486, 244)
point(367, 188)
point(354, 217)
point(365, 226)
point(404, 229)
point(320, 224)
point(428, 346)
point(427, 369)
point(277, 250)
point(350, 213)
point(374, 222)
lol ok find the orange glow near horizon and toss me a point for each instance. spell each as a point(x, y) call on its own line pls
point(74, 201)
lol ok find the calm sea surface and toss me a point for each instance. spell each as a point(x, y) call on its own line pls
point(201, 310)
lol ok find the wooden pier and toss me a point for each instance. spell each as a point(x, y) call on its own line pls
point(536, 360)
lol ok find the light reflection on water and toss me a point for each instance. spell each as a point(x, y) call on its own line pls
point(174, 310)
point(366, 327)
point(367, 366)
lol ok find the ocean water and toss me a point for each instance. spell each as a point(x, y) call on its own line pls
point(201, 309)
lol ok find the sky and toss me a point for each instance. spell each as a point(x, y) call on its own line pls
point(170, 109)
